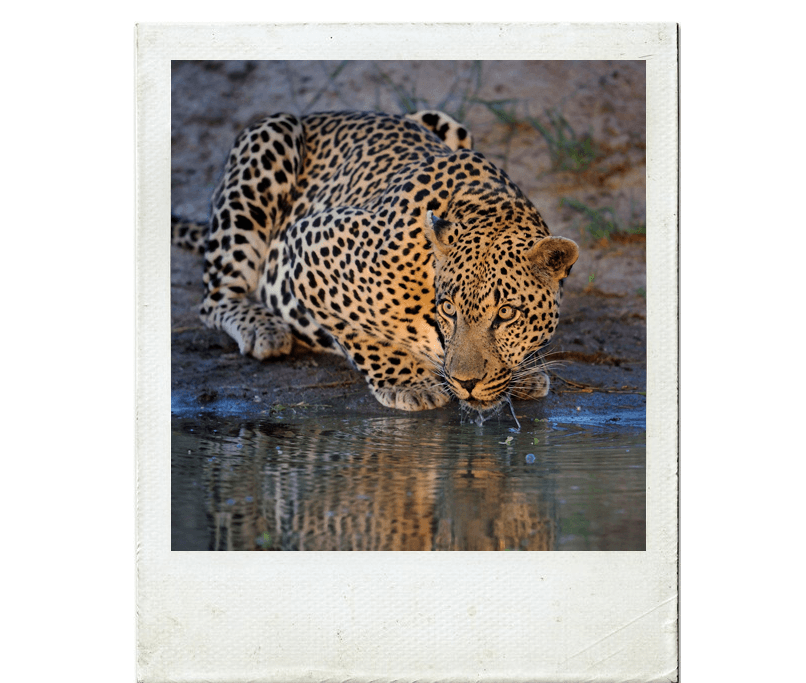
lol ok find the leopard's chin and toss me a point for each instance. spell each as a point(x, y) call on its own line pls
point(483, 406)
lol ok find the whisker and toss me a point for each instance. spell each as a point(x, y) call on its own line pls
point(512, 410)
point(519, 393)
point(525, 373)
point(536, 362)
point(436, 363)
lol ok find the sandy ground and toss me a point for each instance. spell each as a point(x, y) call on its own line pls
point(587, 168)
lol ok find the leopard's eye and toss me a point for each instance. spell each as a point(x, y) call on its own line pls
point(506, 313)
point(447, 309)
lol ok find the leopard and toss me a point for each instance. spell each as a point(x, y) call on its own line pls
point(387, 239)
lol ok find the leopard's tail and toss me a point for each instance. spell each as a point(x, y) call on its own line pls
point(190, 235)
point(450, 131)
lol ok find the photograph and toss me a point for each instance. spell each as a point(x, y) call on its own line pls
point(344, 377)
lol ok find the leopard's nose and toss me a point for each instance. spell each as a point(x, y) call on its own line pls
point(468, 384)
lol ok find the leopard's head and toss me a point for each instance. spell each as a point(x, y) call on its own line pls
point(497, 296)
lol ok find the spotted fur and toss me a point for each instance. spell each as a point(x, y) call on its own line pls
point(389, 240)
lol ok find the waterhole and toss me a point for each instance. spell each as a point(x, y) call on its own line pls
point(316, 481)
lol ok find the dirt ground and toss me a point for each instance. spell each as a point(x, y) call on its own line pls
point(572, 135)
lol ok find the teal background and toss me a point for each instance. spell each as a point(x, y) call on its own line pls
point(68, 453)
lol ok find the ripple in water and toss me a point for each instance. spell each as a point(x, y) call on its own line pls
point(323, 482)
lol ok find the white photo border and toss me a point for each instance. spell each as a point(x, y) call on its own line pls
point(563, 616)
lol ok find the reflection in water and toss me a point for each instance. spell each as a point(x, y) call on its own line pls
point(403, 483)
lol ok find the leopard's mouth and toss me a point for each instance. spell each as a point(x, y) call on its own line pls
point(480, 411)
point(479, 395)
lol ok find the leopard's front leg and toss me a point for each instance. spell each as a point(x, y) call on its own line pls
point(396, 378)
point(249, 209)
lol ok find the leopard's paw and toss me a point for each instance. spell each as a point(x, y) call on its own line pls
point(537, 387)
point(412, 397)
point(258, 333)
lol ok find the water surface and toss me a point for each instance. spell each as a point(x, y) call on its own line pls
point(314, 481)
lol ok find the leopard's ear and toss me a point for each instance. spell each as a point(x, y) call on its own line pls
point(440, 233)
point(553, 256)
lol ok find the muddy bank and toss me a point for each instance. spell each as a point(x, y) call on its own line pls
point(571, 135)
